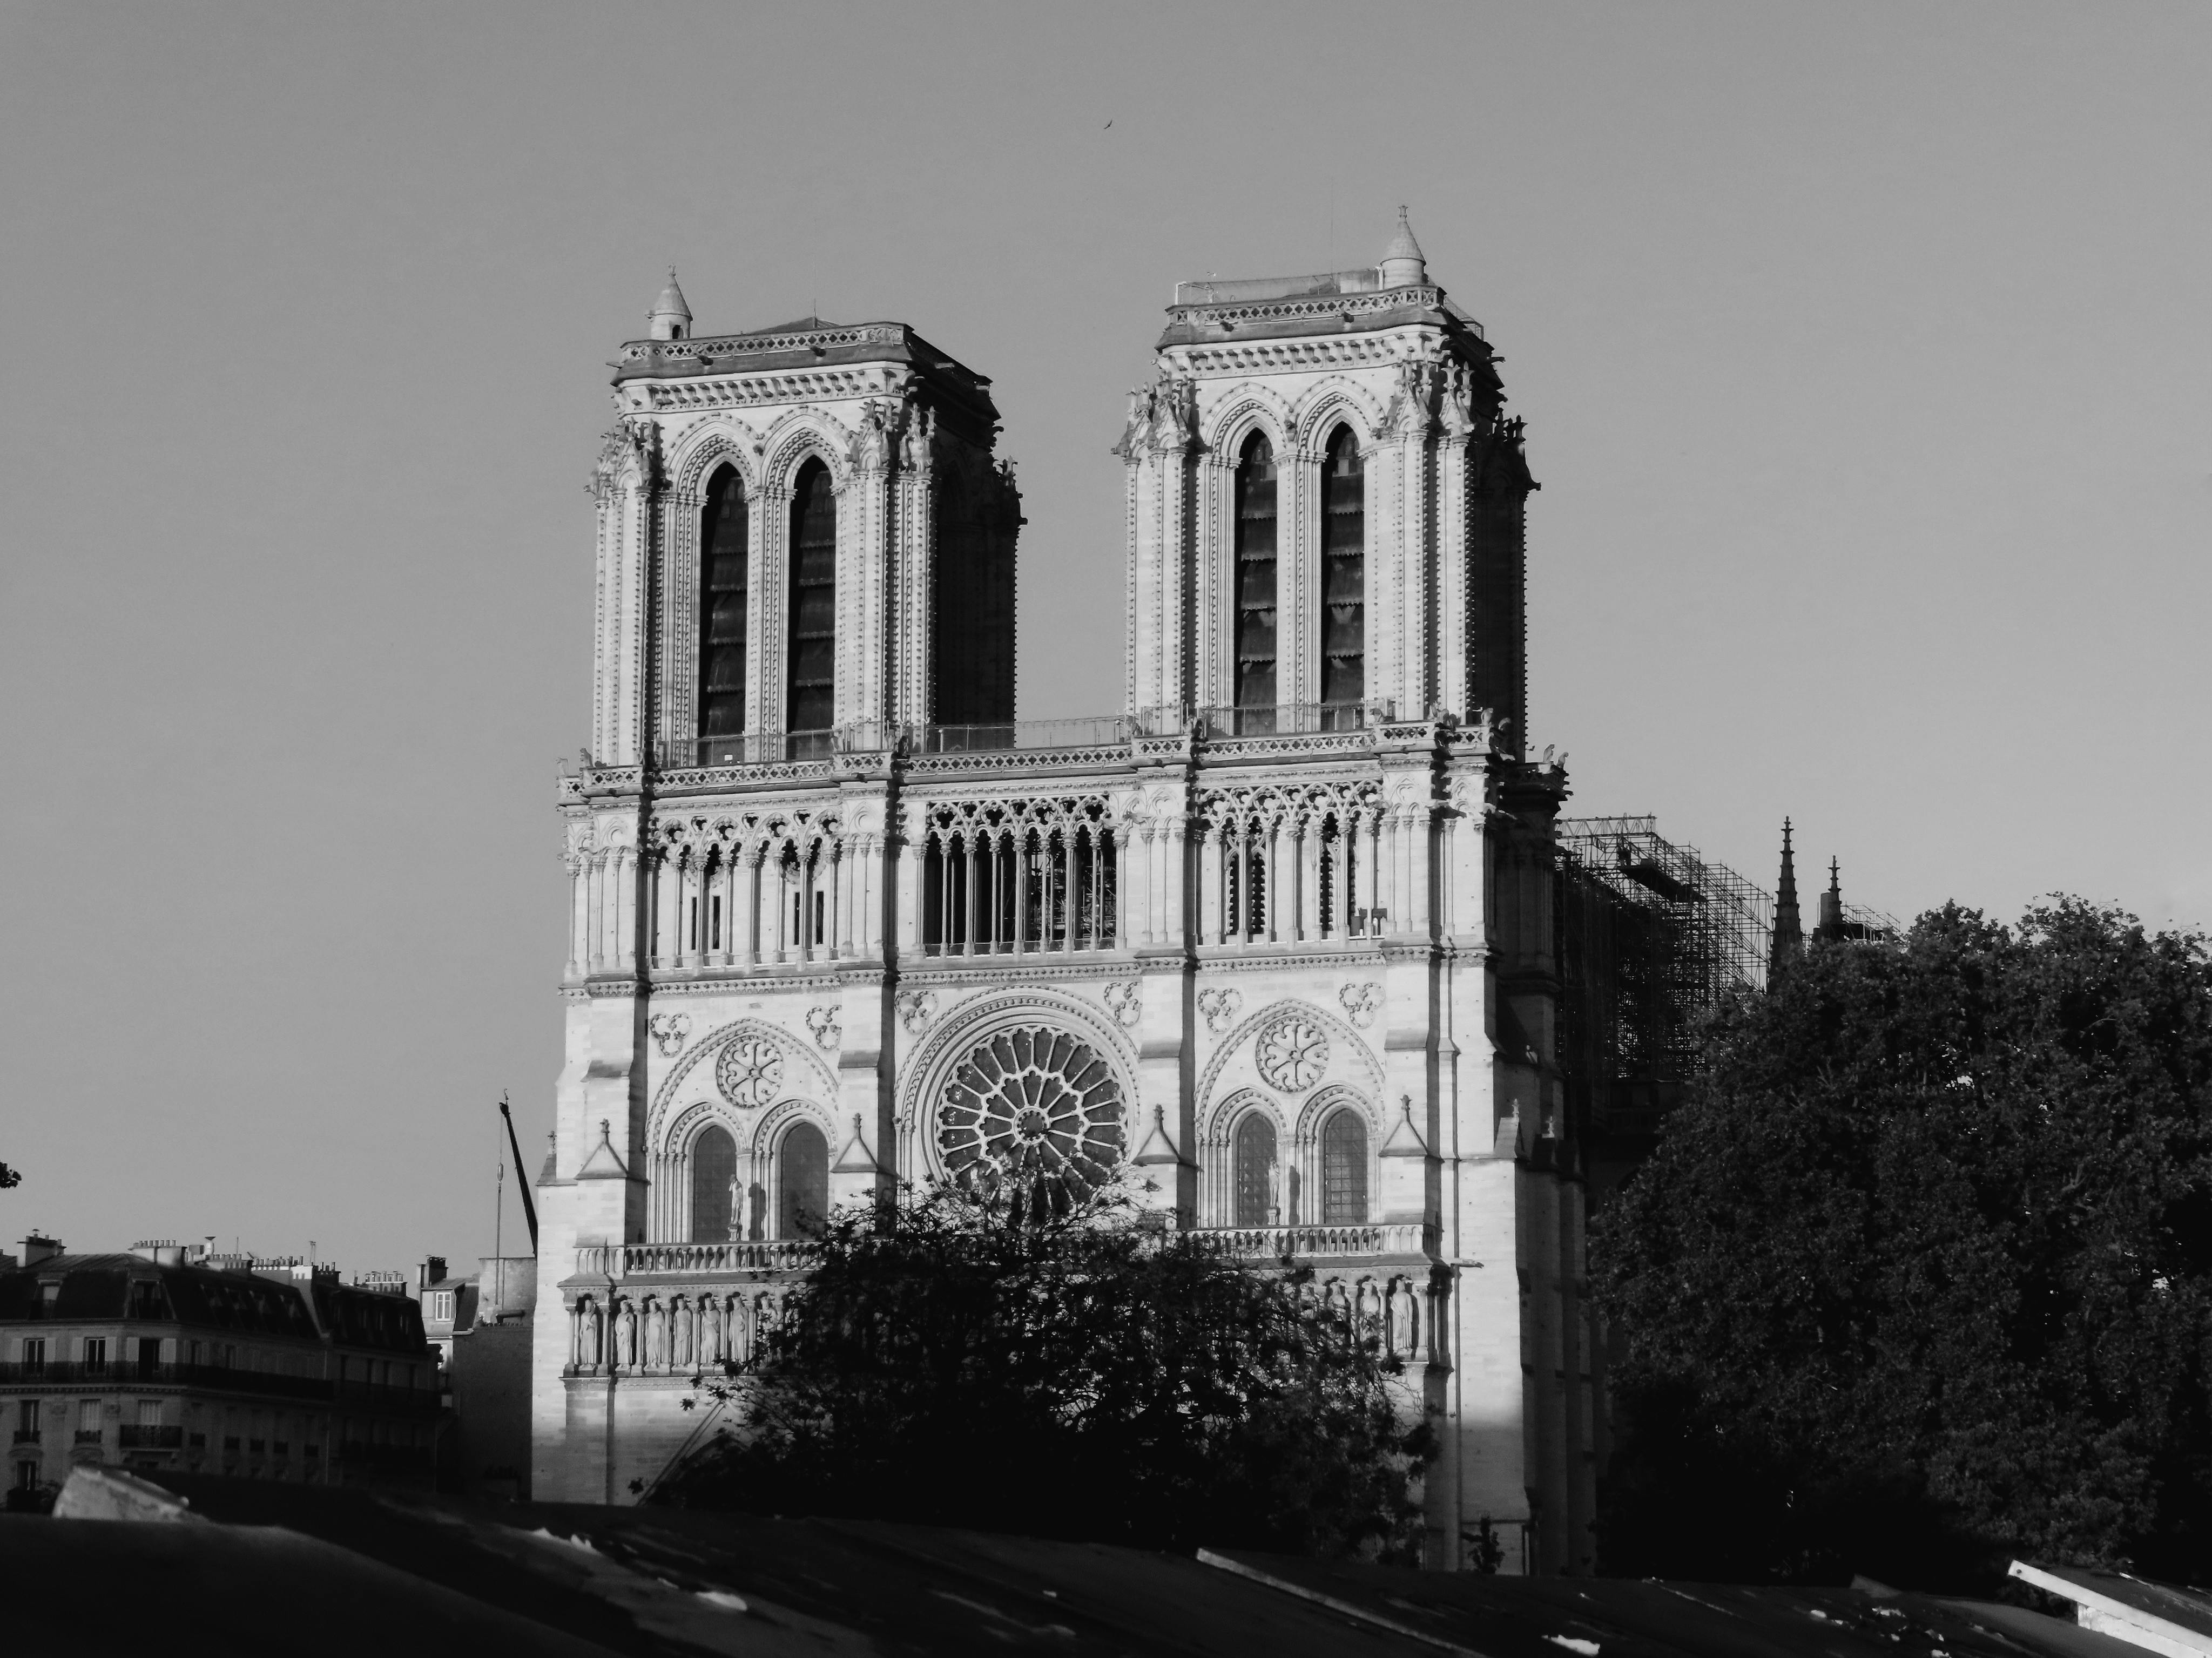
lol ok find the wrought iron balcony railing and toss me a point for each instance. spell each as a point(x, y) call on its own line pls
point(132, 1437)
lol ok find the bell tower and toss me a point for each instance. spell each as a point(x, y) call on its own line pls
point(1326, 502)
point(802, 531)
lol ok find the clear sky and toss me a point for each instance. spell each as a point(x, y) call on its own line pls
point(1866, 352)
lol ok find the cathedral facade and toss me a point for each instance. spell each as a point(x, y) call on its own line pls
point(1272, 943)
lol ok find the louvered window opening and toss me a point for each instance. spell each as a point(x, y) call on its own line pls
point(1255, 587)
point(1344, 1171)
point(992, 891)
point(723, 554)
point(1254, 1163)
point(1344, 581)
point(811, 702)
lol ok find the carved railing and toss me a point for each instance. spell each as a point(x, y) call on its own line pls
point(1320, 1242)
point(627, 1260)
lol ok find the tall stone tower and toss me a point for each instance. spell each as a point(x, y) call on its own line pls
point(1277, 937)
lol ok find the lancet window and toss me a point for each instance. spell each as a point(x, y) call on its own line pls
point(811, 702)
point(1344, 1169)
point(1016, 876)
point(1255, 585)
point(802, 1189)
point(764, 890)
point(1254, 1160)
point(723, 575)
point(714, 1168)
point(1344, 580)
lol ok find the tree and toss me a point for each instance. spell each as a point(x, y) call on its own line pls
point(1920, 1275)
point(1075, 1376)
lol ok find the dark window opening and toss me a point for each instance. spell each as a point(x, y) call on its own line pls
point(811, 706)
point(1344, 572)
point(723, 577)
point(802, 1182)
point(1344, 1171)
point(1255, 585)
point(713, 1166)
point(1254, 1168)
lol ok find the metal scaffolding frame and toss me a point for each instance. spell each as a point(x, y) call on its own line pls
point(1650, 936)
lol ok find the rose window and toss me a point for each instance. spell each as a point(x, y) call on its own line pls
point(1032, 1111)
point(1292, 1054)
point(749, 1071)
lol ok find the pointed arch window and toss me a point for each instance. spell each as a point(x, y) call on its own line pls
point(1344, 580)
point(811, 701)
point(713, 1167)
point(1255, 585)
point(1344, 1170)
point(1254, 1165)
point(723, 575)
point(802, 1185)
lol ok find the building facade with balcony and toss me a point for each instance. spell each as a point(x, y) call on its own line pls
point(1272, 941)
point(154, 1362)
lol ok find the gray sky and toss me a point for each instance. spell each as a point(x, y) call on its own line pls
point(1865, 351)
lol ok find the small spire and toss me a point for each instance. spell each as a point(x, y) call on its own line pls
point(1157, 1147)
point(1789, 928)
point(670, 317)
point(1832, 906)
point(1403, 266)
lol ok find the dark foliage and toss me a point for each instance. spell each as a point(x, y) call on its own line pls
point(1921, 1276)
point(1081, 1377)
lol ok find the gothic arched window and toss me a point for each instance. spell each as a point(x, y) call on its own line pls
point(810, 703)
point(713, 1165)
point(1344, 1170)
point(722, 577)
point(1255, 585)
point(1343, 574)
point(1253, 1161)
point(802, 1187)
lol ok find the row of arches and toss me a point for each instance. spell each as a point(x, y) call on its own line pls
point(1265, 1191)
point(795, 1205)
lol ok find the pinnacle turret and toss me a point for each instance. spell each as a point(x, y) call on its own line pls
point(1788, 930)
point(1403, 266)
point(670, 317)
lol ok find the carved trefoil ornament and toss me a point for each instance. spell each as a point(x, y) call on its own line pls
point(670, 1032)
point(749, 1072)
point(1361, 1002)
point(1126, 1002)
point(916, 1008)
point(823, 1021)
point(1221, 1008)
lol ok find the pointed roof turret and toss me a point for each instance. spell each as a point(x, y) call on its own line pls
point(1789, 928)
point(1157, 1148)
point(1404, 1140)
point(670, 317)
point(1832, 906)
point(1402, 265)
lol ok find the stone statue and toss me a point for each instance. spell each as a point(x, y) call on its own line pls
point(588, 1334)
point(625, 1355)
point(916, 446)
point(710, 1335)
point(1405, 1319)
point(656, 1335)
point(680, 1343)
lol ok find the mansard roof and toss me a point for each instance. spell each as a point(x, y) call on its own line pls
point(1214, 309)
point(99, 1287)
point(809, 344)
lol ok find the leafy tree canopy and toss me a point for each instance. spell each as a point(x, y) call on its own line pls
point(1078, 1376)
point(1920, 1276)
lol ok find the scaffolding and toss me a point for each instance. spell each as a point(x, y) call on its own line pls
point(1651, 937)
